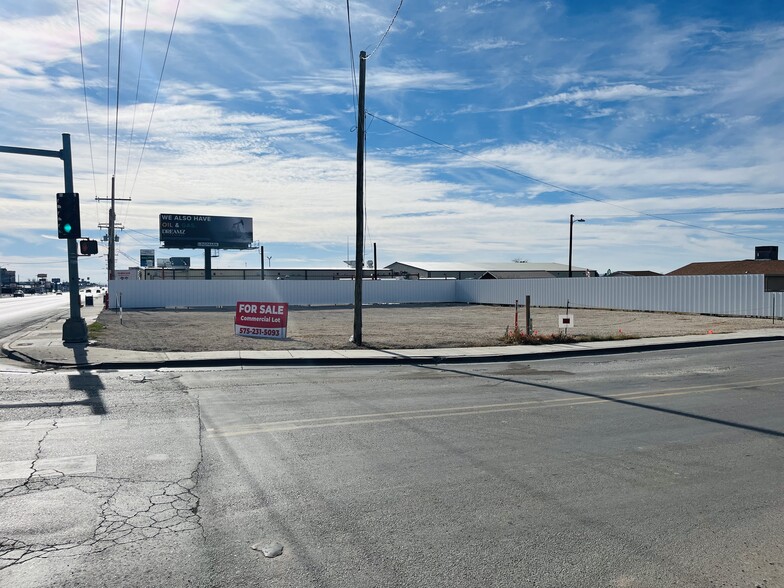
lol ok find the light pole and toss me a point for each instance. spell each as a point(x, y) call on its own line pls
point(261, 256)
point(572, 220)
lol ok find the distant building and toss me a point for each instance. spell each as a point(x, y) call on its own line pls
point(633, 273)
point(274, 273)
point(767, 267)
point(484, 271)
point(7, 277)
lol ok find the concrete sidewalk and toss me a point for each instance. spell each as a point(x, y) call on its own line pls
point(42, 346)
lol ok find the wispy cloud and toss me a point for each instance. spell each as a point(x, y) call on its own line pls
point(338, 82)
point(619, 93)
point(492, 44)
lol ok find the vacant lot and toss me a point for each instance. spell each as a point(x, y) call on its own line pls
point(389, 327)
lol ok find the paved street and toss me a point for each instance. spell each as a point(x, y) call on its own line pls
point(644, 469)
point(18, 313)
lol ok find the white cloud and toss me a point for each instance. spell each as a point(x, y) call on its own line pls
point(619, 93)
point(382, 79)
point(492, 44)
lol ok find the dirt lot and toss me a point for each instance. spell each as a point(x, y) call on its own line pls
point(389, 327)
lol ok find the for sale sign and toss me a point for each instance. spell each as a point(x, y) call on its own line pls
point(265, 320)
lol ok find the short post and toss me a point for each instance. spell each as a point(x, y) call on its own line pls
point(528, 314)
point(517, 328)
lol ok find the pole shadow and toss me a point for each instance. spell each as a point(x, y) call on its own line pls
point(622, 401)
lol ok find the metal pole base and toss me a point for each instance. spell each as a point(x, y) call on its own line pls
point(75, 331)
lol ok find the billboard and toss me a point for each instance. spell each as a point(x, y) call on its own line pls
point(180, 261)
point(185, 231)
point(147, 257)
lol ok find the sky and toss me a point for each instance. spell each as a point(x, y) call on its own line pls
point(489, 123)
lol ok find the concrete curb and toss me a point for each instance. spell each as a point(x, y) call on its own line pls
point(388, 357)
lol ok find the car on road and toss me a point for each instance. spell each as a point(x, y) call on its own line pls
point(18, 293)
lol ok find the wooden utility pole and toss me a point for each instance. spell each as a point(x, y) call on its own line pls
point(112, 228)
point(112, 220)
point(359, 257)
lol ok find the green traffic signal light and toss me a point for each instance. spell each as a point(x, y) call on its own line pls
point(69, 224)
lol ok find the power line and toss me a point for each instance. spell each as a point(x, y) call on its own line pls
point(117, 100)
point(151, 237)
point(399, 6)
point(353, 65)
point(136, 98)
point(84, 87)
point(108, 86)
point(561, 188)
point(157, 91)
point(135, 105)
point(705, 212)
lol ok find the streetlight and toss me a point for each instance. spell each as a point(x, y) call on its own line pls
point(261, 255)
point(572, 220)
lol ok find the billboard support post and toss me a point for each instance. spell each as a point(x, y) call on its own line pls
point(207, 263)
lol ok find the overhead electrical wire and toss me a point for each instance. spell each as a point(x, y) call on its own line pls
point(705, 212)
point(84, 87)
point(389, 28)
point(155, 100)
point(108, 86)
point(117, 99)
point(561, 188)
point(135, 105)
point(353, 65)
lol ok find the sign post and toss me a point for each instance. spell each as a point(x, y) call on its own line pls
point(565, 321)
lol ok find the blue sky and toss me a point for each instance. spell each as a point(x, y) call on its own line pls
point(658, 123)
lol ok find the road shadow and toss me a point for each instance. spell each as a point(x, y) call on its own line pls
point(87, 382)
point(622, 401)
point(91, 384)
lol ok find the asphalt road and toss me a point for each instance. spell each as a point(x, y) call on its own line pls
point(18, 313)
point(651, 469)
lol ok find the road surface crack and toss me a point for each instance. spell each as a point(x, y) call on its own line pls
point(40, 477)
point(130, 511)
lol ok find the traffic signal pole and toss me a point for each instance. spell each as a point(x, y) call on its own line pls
point(75, 328)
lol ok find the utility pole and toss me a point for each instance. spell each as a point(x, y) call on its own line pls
point(112, 229)
point(112, 220)
point(572, 220)
point(359, 257)
point(375, 262)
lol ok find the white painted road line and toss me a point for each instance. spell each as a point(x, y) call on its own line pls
point(49, 467)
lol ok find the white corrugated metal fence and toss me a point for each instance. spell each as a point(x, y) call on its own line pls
point(740, 295)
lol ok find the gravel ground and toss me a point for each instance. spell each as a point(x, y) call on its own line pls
point(390, 327)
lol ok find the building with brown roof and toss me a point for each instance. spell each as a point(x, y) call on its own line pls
point(767, 267)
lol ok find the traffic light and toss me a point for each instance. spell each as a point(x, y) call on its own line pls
point(69, 225)
point(88, 247)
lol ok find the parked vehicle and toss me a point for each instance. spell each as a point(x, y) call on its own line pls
point(18, 293)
